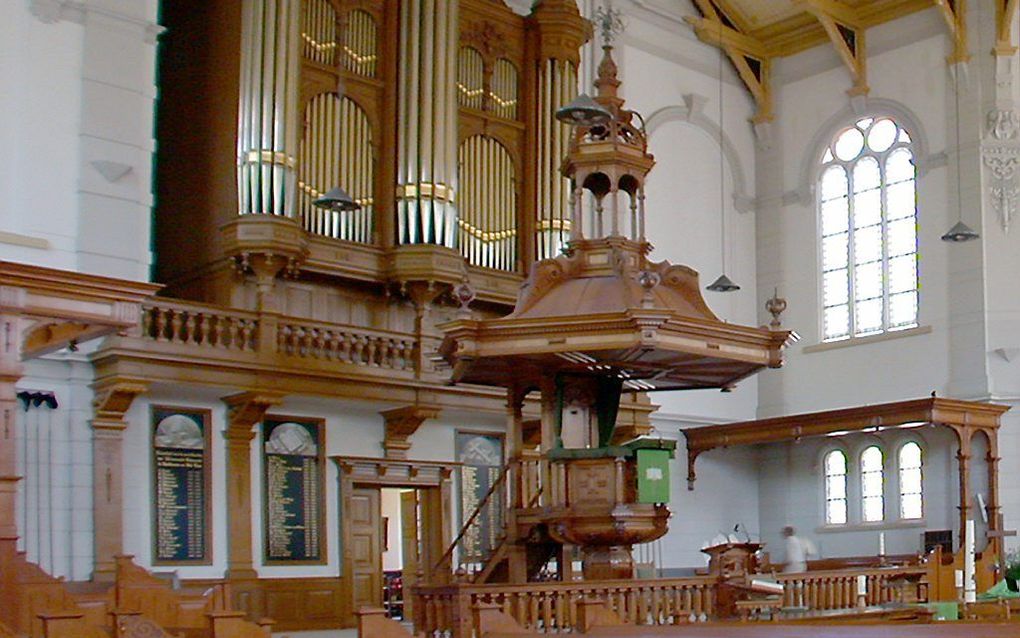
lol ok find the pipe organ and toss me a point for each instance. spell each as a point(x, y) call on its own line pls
point(268, 110)
point(336, 150)
point(436, 116)
point(488, 204)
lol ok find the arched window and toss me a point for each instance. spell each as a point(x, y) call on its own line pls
point(872, 500)
point(835, 488)
point(868, 228)
point(910, 481)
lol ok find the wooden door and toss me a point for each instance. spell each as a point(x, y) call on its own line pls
point(366, 547)
point(410, 546)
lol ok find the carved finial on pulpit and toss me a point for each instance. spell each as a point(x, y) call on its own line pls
point(776, 305)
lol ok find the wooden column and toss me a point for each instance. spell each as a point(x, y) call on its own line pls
point(10, 373)
point(518, 559)
point(996, 529)
point(112, 401)
point(245, 410)
point(963, 459)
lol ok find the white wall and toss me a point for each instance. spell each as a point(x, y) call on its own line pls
point(78, 96)
point(910, 78)
point(791, 492)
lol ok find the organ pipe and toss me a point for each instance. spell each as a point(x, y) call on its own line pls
point(268, 109)
point(336, 150)
point(360, 44)
point(488, 204)
point(427, 132)
point(318, 31)
point(557, 86)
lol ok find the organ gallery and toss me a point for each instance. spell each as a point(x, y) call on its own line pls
point(466, 318)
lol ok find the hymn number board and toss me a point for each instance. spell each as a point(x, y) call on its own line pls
point(180, 452)
point(292, 463)
point(482, 456)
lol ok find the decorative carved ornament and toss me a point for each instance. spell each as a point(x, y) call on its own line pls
point(487, 38)
point(401, 423)
point(246, 409)
point(112, 402)
point(1002, 158)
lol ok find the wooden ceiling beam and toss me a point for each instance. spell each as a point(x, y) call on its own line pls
point(749, 56)
point(1005, 13)
point(955, 16)
point(844, 28)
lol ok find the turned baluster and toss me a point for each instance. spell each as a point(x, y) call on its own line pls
point(176, 321)
point(320, 344)
point(232, 329)
point(247, 330)
point(332, 346)
point(147, 322)
point(218, 333)
point(373, 343)
point(547, 616)
point(161, 321)
point(189, 329)
point(203, 329)
point(359, 347)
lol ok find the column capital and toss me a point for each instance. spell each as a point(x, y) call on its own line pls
point(112, 400)
point(561, 30)
point(401, 423)
point(245, 409)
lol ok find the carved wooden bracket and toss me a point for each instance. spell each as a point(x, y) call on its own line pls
point(113, 400)
point(401, 423)
point(245, 409)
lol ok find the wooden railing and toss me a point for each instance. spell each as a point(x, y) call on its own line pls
point(553, 607)
point(837, 589)
point(266, 336)
point(359, 346)
point(200, 325)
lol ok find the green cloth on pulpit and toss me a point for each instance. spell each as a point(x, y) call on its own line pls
point(944, 610)
point(1000, 590)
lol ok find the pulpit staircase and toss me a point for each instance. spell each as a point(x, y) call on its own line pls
point(517, 495)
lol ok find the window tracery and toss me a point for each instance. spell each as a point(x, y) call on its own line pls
point(868, 231)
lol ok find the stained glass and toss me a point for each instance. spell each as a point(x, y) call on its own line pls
point(902, 274)
point(903, 309)
point(834, 252)
point(835, 216)
point(835, 288)
point(834, 183)
point(901, 200)
point(901, 237)
point(899, 167)
point(868, 245)
point(866, 174)
point(868, 316)
point(837, 322)
point(911, 482)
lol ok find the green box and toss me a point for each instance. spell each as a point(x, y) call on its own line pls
point(653, 475)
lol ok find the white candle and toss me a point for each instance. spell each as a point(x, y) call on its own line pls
point(862, 585)
point(969, 585)
point(881, 543)
point(959, 579)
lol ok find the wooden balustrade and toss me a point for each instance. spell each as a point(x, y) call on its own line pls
point(199, 325)
point(213, 328)
point(838, 589)
point(330, 342)
point(553, 607)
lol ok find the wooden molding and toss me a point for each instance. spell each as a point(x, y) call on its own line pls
point(963, 417)
point(403, 422)
point(955, 16)
point(246, 409)
point(559, 29)
point(112, 400)
point(1005, 13)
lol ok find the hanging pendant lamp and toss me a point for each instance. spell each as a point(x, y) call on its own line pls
point(336, 199)
point(960, 232)
point(583, 111)
point(722, 283)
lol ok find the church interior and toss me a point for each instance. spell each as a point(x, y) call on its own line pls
point(486, 318)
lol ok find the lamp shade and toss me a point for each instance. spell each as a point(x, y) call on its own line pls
point(583, 111)
point(722, 284)
point(959, 233)
point(336, 199)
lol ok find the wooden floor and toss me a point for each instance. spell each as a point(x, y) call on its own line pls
point(779, 630)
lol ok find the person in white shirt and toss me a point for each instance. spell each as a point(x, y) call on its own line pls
point(797, 551)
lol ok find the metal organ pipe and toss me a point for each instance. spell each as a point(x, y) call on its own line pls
point(427, 173)
point(268, 109)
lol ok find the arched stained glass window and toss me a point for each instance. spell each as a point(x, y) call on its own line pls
point(868, 224)
point(835, 488)
point(911, 481)
point(872, 481)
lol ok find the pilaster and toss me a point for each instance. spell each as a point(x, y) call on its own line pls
point(10, 373)
point(245, 410)
point(111, 403)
